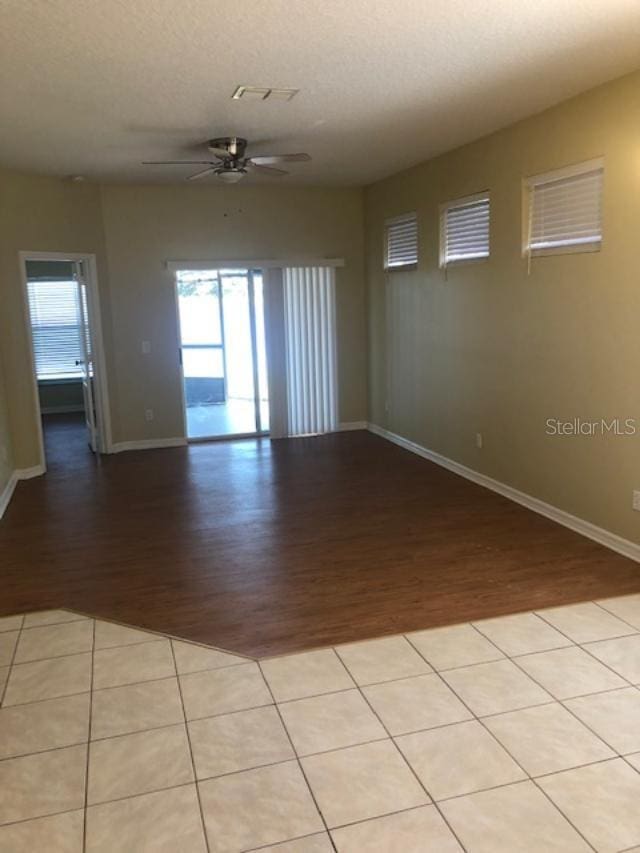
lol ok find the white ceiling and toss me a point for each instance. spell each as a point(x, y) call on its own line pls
point(93, 87)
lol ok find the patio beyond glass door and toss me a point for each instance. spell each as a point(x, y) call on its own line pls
point(222, 350)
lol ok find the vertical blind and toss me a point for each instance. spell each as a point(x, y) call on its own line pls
point(465, 228)
point(55, 311)
point(401, 242)
point(565, 208)
point(309, 308)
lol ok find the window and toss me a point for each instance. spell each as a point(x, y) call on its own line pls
point(54, 308)
point(401, 242)
point(565, 210)
point(464, 229)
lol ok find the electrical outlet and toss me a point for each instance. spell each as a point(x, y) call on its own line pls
point(146, 347)
point(636, 500)
point(479, 440)
point(148, 414)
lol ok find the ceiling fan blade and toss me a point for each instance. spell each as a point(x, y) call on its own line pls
point(201, 174)
point(264, 170)
point(267, 159)
point(177, 163)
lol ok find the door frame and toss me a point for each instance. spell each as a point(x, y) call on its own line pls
point(103, 412)
point(250, 268)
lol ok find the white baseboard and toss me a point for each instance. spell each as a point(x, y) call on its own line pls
point(7, 493)
point(60, 410)
point(16, 476)
point(148, 444)
point(578, 525)
point(28, 473)
point(349, 425)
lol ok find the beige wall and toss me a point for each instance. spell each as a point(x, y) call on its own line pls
point(133, 230)
point(6, 446)
point(145, 226)
point(496, 351)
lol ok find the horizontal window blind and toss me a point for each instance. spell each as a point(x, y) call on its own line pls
point(465, 230)
point(54, 308)
point(401, 242)
point(565, 210)
point(310, 328)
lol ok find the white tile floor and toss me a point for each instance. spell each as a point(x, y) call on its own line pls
point(514, 734)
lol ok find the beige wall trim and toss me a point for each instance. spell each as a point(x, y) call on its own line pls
point(16, 476)
point(578, 525)
point(148, 444)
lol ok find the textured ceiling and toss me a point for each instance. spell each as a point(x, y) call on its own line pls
point(93, 87)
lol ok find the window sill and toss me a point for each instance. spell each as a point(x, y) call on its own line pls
point(464, 262)
point(60, 380)
point(575, 249)
point(402, 268)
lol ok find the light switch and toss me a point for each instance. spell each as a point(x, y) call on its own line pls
point(146, 347)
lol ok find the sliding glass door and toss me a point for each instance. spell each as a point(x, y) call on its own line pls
point(222, 348)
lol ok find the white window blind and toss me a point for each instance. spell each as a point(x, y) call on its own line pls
point(54, 308)
point(565, 209)
point(465, 229)
point(309, 302)
point(401, 242)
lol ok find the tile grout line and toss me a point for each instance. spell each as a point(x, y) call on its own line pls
point(360, 688)
point(616, 752)
point(501, 655)
point(433, 671)
point(537, 651)
point(41, 751)
point(297, 758)
point(39, 817)
point(534, 779)
point(611, 613)
point(123, 799)
point(587, 651)
point(11, 663)
point(47, 699)
point(288, 841)
point(86, 775)
point(585, 695)
point(402, 755)
point(394, 737)
point(513, 758)
point(193, 763)
point(513, 660)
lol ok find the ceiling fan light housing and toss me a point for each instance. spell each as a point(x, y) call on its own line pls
point(231, 176)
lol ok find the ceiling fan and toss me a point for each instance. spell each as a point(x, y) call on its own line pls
point(230, 164)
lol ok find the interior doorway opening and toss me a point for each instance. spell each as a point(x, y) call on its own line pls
point(223, 353)
point(63, 325)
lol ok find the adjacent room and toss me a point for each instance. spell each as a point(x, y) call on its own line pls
point(319, 427)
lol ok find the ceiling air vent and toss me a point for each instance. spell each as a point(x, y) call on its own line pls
point(263, 93)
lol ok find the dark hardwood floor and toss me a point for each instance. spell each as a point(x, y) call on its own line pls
point(262, 548)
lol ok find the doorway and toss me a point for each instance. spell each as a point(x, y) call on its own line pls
point(66, 349)
point(223, 353)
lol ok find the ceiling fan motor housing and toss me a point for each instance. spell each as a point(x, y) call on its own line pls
point(235, 146)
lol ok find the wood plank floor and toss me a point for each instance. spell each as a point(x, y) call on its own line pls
point(263, 548)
